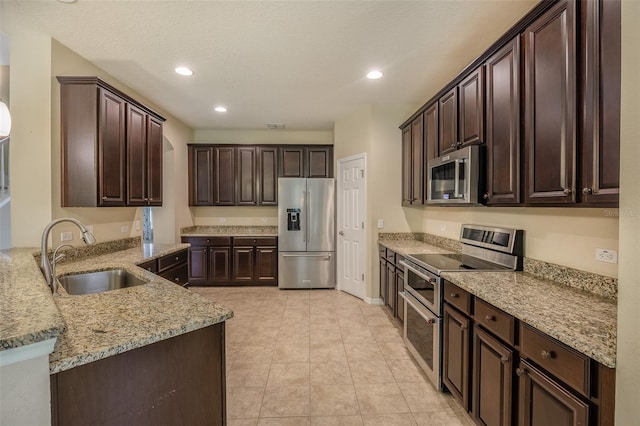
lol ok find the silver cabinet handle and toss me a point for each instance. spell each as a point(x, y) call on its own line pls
point(587, 191)
point(341, 233)
point(566, 191)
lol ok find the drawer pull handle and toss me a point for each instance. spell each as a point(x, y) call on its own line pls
point(489, 318)
point(454, 295)
point(463, 327)
point(177, 258)
point(504, 359)
point(177, 279)
point(547, 355)
point(521, 372)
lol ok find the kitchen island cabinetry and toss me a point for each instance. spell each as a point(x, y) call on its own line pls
point(172, 267)
point(111, 146)
point(180, 380)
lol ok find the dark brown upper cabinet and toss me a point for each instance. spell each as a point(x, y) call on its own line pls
point(550, 106)
point(600, 73)
point(503, 125)
point(111, 146)
point(267, 176)
point(247, 182)
point(200, 175)
point(471, 109)
point(413, 163)
point(430, 118)
point(448, 110)
point(224, 176)
point(311, 161)
point(144, 159)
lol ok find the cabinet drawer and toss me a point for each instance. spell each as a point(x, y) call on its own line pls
point(496, 321)
point(207, 241)
point(149, 265)
point(391, 256)
point(178, 275)
point(558, 359)
point(457, 297)
point(173, 259)
point(255, 241)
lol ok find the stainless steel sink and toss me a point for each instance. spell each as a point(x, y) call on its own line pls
point(97, 282)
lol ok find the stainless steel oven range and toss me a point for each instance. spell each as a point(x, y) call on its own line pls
point(483, 249)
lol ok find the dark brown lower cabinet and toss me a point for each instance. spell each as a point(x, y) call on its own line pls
point(399, 289)
point(383, 279)
point(456, 355)
point(172, 267)
point(542, 401)
point(243, 261)
point(266, 265)
point(390, 299)
point(178, 381)
point(492, 380)
point(219, 264)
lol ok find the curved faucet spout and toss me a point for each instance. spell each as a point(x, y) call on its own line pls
point(87, 237)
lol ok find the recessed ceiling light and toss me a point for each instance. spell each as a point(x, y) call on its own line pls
point(374, 75)
point(220, 109)
point(184, 71)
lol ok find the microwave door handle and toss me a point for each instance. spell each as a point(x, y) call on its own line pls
point(456, 183)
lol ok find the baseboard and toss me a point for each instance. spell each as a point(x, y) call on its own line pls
point(374, 301)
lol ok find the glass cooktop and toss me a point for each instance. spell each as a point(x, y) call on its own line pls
point(438, 263)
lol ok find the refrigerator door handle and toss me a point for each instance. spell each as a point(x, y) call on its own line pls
point(306, 220)
point(326, 256)
point(308, 216)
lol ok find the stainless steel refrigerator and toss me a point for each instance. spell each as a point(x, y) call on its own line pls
point(306, 233)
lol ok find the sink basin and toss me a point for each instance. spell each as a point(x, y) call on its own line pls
point(97, 282)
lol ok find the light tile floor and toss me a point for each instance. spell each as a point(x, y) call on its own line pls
point(322, 357)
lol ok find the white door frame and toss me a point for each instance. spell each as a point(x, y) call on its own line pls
point(339, 256)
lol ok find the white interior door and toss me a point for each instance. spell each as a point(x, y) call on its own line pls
point(351, 253)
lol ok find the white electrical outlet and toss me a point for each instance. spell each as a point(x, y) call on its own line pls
point(137, 225)
point(124, 229)
point(609, 256)
point(222, 219)
point(443, 228)
point(66, 236)
point(380, 223)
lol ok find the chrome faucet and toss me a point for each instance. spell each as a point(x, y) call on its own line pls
point(55, 258)
point(87, 237)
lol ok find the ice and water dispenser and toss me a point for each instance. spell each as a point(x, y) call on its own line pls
point(293, 219)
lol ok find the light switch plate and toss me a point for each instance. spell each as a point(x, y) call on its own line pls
point(124, 229)
point(380, 223)
point(66, 236)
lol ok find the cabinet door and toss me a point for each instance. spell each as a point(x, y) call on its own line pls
point(390, 299)
point(455, 363)
point(503, 125)
point(407, 163)
point(417, 160)
point(471, 109)
point(247, 178)
point(383, 280)
point(268, 176)
point(154, 161)
point(542, 401)
point(200, 176)
point(430, 134)
point(198, 265)
point(601, 85)
point(136, 156)
point(493, 380)
point(219, 265)
point(266, 268)
point(448, 112)
point(224, 176)
point(399, 289)
point(550, 106)
point(319, 162)
point(111, 150)
point(243, 262)
point(292, 161)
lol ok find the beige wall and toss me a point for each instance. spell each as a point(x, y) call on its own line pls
point(35, 153)
point(251, 215)
point(565, 236)
point(628, 368)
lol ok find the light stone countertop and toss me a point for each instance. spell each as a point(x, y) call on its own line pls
point(584, 321)
point(28, 313)
point(229, 231)
point(581, 320)
point(96, 326)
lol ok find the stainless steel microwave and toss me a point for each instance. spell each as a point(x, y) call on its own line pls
point(457, 178)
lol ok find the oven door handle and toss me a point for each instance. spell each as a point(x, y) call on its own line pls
point(403, 264)
point(419, 308)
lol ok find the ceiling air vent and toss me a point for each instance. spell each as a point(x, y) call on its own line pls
point(274, 126)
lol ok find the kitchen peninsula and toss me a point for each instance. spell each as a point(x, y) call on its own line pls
point(157, 337)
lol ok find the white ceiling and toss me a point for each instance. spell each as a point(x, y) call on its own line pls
point(301, 63)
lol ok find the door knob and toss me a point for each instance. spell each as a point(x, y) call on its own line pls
point(341, 233)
